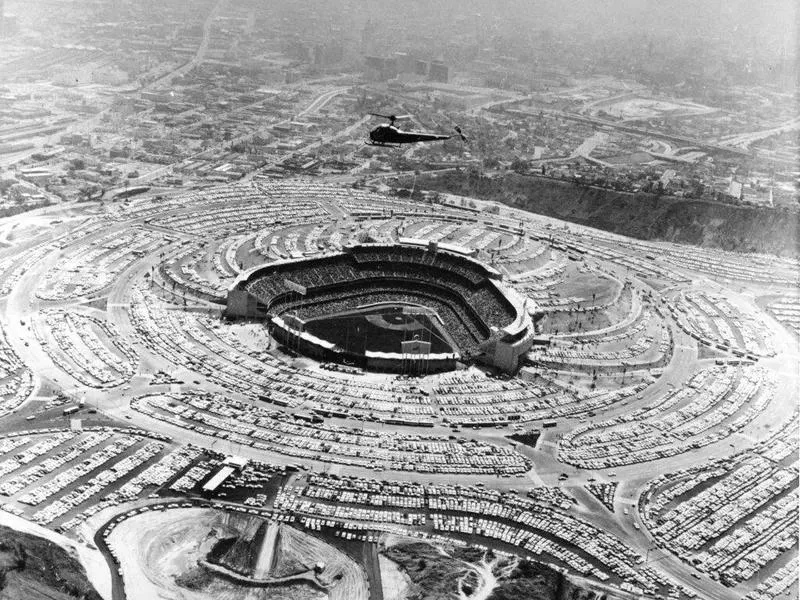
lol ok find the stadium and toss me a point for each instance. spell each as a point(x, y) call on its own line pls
point(411, 307)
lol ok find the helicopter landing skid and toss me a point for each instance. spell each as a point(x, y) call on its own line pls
point(382, 145)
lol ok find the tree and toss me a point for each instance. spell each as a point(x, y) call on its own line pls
point(491, 162)
point(519, 165)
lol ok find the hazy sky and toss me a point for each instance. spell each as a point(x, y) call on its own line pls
point(731, 19)
point(765, 24)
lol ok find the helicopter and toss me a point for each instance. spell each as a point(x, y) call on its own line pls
point(392, 137)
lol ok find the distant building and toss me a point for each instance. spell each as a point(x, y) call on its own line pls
point(119, 152)
point(75, 139)
point(36, 175)
point(24, 193)
point(667, 176)
point(230, 465)
point(237, 462)
point(735, 189)
point(380, 68)
point(367, 36)
point(439, 72)
point(404, 62)
point(8, 24)
point(219, 477)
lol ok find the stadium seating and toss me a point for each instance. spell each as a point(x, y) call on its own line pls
point(457, 288)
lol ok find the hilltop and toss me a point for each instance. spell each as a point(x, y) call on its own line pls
point(643, 216)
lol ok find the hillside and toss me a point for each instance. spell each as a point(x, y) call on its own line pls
point(642, 216)
point(35, 568)
point(240, 553)
point(532, 581)
point(443, 573)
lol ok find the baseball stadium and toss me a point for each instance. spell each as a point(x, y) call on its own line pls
point(410, 307)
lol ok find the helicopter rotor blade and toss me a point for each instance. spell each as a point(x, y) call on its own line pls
point(392, 117)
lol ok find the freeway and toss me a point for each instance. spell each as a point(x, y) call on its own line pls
point(198, 56)
point(743, 140)
point(597, 122)
point(90, 124)
point(321, 101)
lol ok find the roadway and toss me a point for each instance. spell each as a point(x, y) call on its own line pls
point(198, 57)
point(90, 124)
point(620, 126)
point(743, 140)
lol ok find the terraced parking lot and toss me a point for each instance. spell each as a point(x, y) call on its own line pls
point(647, 442)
